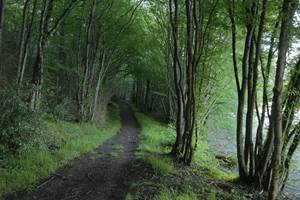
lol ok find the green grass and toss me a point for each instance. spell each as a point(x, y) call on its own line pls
point(161, 164)
point(21, 172)
point(175, 182)
point(167, 195)
point(155, 137)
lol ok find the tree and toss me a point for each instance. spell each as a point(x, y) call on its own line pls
point(288, 10)
point(186, 69)
point(257, 164)
point(43, 35)
point(25, 37)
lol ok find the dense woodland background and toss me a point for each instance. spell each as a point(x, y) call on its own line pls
point(230, 66)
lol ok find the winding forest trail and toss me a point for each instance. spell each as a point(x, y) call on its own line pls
point(99, 175)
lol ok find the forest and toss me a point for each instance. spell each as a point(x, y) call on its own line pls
point(149, 99)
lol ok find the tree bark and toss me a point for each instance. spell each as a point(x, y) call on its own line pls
point(292, 137)
point(190, 104)
point(37, 75)
point(259, 150)
point(241, 91)
point(101, 75)
point(88, 43)
point(293, 147)
point(25, 36)
point(179, 117)
point(288, 10)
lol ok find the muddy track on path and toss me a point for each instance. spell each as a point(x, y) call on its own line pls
point(99, 175)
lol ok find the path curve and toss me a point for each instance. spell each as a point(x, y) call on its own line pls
point(99, 175)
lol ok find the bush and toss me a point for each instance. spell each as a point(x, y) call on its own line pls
point(20, 126)
point(64, 110)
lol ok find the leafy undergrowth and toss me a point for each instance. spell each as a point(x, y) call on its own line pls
point(163, 179)
point(65, 142)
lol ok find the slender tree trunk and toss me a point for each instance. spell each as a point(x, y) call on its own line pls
point(24, 54)
point(37, 76)
point(292, 99)
point(249, 149)
point(23, 44)
point(241, 89)
point(262, 153)
point(292, 138)
point(241, 150)
point(99, 82)
point(179, 117)
point(295, 143)
point(259, 133)
point(251, 13)
point(288, 10)
point(189, 107)
point(84, 85)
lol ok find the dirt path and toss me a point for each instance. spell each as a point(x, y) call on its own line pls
point(99, 175)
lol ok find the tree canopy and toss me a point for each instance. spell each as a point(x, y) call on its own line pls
point(228, 65)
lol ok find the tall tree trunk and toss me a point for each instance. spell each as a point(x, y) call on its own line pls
point(25, 36)
point(174, 19)
point(101, 74)
point(241, 90)
point(259, 150)
point(84, 84)
point(263, 151)
point(251, 13)
point(37, 75)
point(189, 111)
point(22, 44)
point(288, 10)
point(249, 149)
point(23, 59)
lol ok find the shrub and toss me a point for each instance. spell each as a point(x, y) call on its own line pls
point(64, 110)
point(20, 126)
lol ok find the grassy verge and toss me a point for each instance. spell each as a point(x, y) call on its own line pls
point(66, 141)
point(167, 180)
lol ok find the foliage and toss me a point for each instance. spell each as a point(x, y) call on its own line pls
point(101, 49)
point(21, 127)
point(64, 110)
